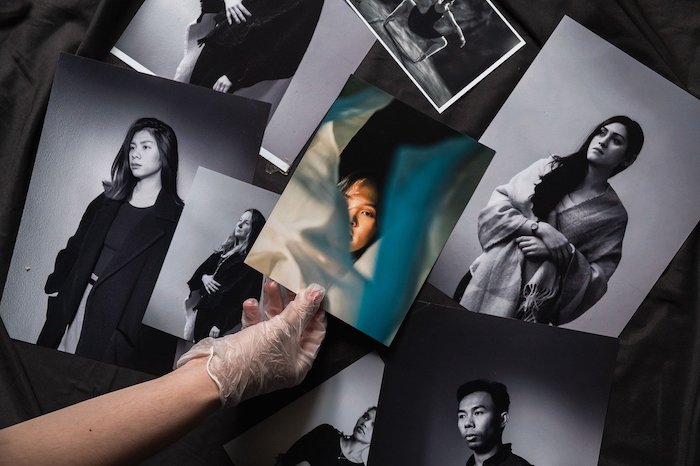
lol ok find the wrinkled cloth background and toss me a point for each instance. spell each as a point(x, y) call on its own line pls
point(654, 412)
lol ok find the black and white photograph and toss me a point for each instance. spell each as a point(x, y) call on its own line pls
point(369, 207)
point(114, 168)
point(201, 290)
point(330, 425)
point(463, 388)
point(580, 211)
point(293, 54)
point(445, 46)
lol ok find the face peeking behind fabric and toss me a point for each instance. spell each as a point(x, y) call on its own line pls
point(144, 156)
point(362, 197)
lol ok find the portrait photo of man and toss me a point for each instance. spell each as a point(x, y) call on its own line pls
point(482, 415)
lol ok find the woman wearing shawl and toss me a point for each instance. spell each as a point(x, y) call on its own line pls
point(552, 236)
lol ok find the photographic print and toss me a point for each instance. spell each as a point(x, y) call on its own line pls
point(203, 284)
point(294, 54)
point(593, 191)
point(369, 208)
point(331, 424)
point(496, 390)
point(445, 46)
point(113, 170)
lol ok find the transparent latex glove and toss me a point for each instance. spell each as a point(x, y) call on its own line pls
point(275, 348)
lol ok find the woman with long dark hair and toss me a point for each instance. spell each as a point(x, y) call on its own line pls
point(103, 279)
point(552, 237)
point(222, 282)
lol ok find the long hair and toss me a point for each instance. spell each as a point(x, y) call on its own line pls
point(257, 222)
point(569, 171)
point(122, 183)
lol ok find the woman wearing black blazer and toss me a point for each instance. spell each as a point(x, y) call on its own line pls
point(251, 41)
point(103, 279)
point(222, 282)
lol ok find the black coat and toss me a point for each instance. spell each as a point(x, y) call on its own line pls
point(268, 46)
point(112, 327)
point(223, 308)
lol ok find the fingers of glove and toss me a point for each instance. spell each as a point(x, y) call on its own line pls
point(251, 313)
point(273, 303)
point(314, 334)
point(304, 307)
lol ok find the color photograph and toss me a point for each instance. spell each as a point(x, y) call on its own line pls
point(114, 168)
point(369, 208)
point(580, 211)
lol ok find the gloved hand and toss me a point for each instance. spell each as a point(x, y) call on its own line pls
point(265, 355)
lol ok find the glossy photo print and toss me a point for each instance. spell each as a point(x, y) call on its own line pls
point(332, 424)
point(460, 385)
point(113, 171)
point(201, 289)
point(445, 46)
point(580, 211)
point(369, 208)
point(294, 54)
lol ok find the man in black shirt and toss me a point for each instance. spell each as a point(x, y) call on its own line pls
point(481, 417)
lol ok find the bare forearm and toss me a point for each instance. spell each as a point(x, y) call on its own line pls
point(124, 426)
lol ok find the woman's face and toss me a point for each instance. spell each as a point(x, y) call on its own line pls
point(608, 146)
point(144, 156)
point(365, 426)
point(362, 197)
point(242, 230)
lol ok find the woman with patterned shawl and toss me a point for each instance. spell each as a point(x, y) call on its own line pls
point(552, 236)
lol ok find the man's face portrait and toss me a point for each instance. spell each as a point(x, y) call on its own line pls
point(479, 422)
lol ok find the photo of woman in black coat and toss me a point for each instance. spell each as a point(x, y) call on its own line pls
point(223, 282)
point(236, 44)
point(103, 279)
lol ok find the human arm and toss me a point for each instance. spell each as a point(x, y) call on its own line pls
point(402, 8)
point(556, 243)
point(432, 49)
point(209, 265)
point(128, 425)
point(585, 279)
point(455, 25)
point(508, 213)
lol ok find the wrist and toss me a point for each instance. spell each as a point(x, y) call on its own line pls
point(195, 373)
point(534, 227)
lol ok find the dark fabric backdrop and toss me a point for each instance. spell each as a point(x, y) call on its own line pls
point(653, 418)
